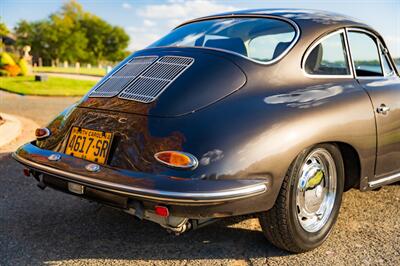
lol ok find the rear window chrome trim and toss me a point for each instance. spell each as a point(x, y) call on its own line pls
point(317, 42)
point(273, 61)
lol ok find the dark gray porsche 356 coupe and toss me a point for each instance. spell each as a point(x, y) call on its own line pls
point(271, 112)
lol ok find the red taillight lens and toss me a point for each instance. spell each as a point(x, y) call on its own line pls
point(176, 159)
point(42, 133)
point(161, 211)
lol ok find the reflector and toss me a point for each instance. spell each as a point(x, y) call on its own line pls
point(161, 211)
point(27, 172)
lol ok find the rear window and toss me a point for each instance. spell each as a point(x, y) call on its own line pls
point(261, 39)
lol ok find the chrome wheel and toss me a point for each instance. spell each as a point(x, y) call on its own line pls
point(316, 190)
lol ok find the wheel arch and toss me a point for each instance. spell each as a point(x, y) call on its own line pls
point(351, 161)
point(352, 165)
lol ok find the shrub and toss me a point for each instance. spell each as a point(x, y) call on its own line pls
point(4, 73)
point(23, 66)
point(6, 59)
point(13, 70)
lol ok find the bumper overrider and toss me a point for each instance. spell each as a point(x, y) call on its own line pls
point(139, 192)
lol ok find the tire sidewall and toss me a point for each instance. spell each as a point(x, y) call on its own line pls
point(303, 238)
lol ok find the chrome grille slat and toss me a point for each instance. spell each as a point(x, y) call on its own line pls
point(143, 87)
point(131, 70)
point(155, 79)
point(123, 76)
point(164, 71)
point(176, 60)
point(107, 88)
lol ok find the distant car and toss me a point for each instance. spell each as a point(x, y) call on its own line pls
point(273, 112)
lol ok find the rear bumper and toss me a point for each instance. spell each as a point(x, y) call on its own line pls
point(238, 196)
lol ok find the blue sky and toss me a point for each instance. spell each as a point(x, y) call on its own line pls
point(146, 21)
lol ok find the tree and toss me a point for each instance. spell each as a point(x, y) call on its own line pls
point(3, 29)
point(3, 32)
point(116, 42)
point(107, 42)
point(74, 35)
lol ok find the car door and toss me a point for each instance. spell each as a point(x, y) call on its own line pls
point(377, 75)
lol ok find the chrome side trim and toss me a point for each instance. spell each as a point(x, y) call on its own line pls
point(384, 181)
point(180, 197)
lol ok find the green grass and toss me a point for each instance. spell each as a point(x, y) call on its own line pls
point(71, 70)
point(54, 86)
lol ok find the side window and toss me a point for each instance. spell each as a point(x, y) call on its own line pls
point(364, 52)
point(387, 68)
point(328, 57)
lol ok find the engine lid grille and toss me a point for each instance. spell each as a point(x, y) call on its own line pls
point(143, 78)
point(128, 72)
point(153, 81)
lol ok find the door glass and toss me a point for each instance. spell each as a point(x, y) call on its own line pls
point(387, 68)
point(328, 57)
point(364, 52)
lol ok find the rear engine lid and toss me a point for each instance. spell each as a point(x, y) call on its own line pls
point(166, 82)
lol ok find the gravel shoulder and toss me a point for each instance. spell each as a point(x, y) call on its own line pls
point(10, 128)
point(48, 227)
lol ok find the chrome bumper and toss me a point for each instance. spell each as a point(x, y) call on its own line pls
point(138, 185)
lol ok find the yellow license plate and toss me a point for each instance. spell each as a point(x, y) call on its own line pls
point(91, 145)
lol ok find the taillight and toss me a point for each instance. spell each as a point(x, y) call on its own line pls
point(42, 133)
point(177, 159)
point(27, 172)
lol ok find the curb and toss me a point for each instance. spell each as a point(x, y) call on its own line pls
point(71, 76)
point(10, 130)
point(77, 74)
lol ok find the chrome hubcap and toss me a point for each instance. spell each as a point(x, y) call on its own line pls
point(316, 190)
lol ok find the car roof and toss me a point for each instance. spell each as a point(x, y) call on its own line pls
point(319, 20)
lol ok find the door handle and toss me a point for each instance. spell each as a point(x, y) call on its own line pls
point(383, 109)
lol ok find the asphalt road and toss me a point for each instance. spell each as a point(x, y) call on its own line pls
point(47, 227)
point(39, 109)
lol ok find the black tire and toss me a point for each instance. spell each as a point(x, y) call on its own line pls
point(280, 224)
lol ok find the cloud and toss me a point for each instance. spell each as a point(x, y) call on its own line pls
point(183, 10)
point(393, 43)
point(149, 23)
point(141, 37)
point(172, 23)
point(126, 6)
point(159, 19)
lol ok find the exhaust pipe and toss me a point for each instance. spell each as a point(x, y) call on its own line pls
point(40, 183)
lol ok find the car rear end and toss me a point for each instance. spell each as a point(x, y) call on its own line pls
point(157, 137)
point(103, 148)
